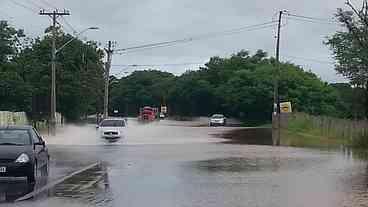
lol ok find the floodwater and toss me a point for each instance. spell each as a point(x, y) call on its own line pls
point(170, 164)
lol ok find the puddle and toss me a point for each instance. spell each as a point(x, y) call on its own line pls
point(91, 187)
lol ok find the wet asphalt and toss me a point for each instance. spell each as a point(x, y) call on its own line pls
point(179, 164)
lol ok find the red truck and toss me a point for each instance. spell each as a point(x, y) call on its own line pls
point(148, 113)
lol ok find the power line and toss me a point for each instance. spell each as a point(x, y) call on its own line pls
point(24, 6)
point(199, 37)
point(153, 65)
point(312, 21)
point(171, 45)
point(121, 72)
point(35, 5)
point(64, 28)
point(313, 18)
point(48, 3)
point(6, 14)
point(69, 25)
point(310, 59)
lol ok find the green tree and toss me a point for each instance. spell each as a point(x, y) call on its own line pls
point(239, 86)
point(79, 76)
point(15, 93)
point(351, 105)
point(350, 47)
point(242, 86)
point(141, 88)
point(10, 41)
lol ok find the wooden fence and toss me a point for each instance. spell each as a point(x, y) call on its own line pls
point(13, 118)
point(20, 118)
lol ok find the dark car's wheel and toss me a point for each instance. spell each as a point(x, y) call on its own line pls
point(46, 169)
point(31, 178)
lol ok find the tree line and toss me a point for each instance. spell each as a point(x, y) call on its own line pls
point(240, 86)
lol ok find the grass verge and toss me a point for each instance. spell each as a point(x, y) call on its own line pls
point(308, 139)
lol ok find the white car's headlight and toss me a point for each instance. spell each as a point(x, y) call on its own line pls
point(23, 158)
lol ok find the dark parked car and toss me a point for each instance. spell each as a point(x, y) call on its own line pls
point(23, 153)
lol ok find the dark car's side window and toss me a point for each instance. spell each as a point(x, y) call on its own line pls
point(35, 137)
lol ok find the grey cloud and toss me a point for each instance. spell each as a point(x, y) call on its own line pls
point(135, 22)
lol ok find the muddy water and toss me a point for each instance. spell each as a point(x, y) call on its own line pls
point(167, 165)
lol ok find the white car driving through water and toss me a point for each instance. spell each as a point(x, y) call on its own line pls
point(112, 128)
point(217, 120)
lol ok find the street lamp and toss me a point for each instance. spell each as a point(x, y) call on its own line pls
point(53, 74)
point(76, 37)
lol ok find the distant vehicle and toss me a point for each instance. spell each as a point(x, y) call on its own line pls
point(162, 115)
point(112, 128)
point(217, 120)
point(22, 153)
point(148, 114)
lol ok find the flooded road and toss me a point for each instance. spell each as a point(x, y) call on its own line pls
point(172, 164)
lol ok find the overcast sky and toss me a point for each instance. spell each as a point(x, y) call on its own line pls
point(137, 22)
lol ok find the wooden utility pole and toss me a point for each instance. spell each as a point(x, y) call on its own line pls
point(276, 117)
point(109, 50)
point(54, 15)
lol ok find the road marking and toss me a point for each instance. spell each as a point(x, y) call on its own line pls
point(52, 184)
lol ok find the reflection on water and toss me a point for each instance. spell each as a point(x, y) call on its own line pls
point(12, 190)
point(238, 164)
point(332, 178)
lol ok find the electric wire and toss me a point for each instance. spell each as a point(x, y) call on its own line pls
point(196, 38)
point(35, 5)
point(69, 25)
point(310, 59)
point(312, 21)
point(6, 14)
point(122, 71)
point(312, 18)
point(24, 6)
point(68, 30)
point(45, 2)
point(156, 65)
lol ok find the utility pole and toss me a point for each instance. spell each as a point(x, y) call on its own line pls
point(54, 15)
point(109, 50)
point(276, 117)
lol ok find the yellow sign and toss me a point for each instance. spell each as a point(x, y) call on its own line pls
point(285, 107)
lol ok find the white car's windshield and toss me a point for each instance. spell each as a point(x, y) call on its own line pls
point(218, 116)
point(112, 123)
